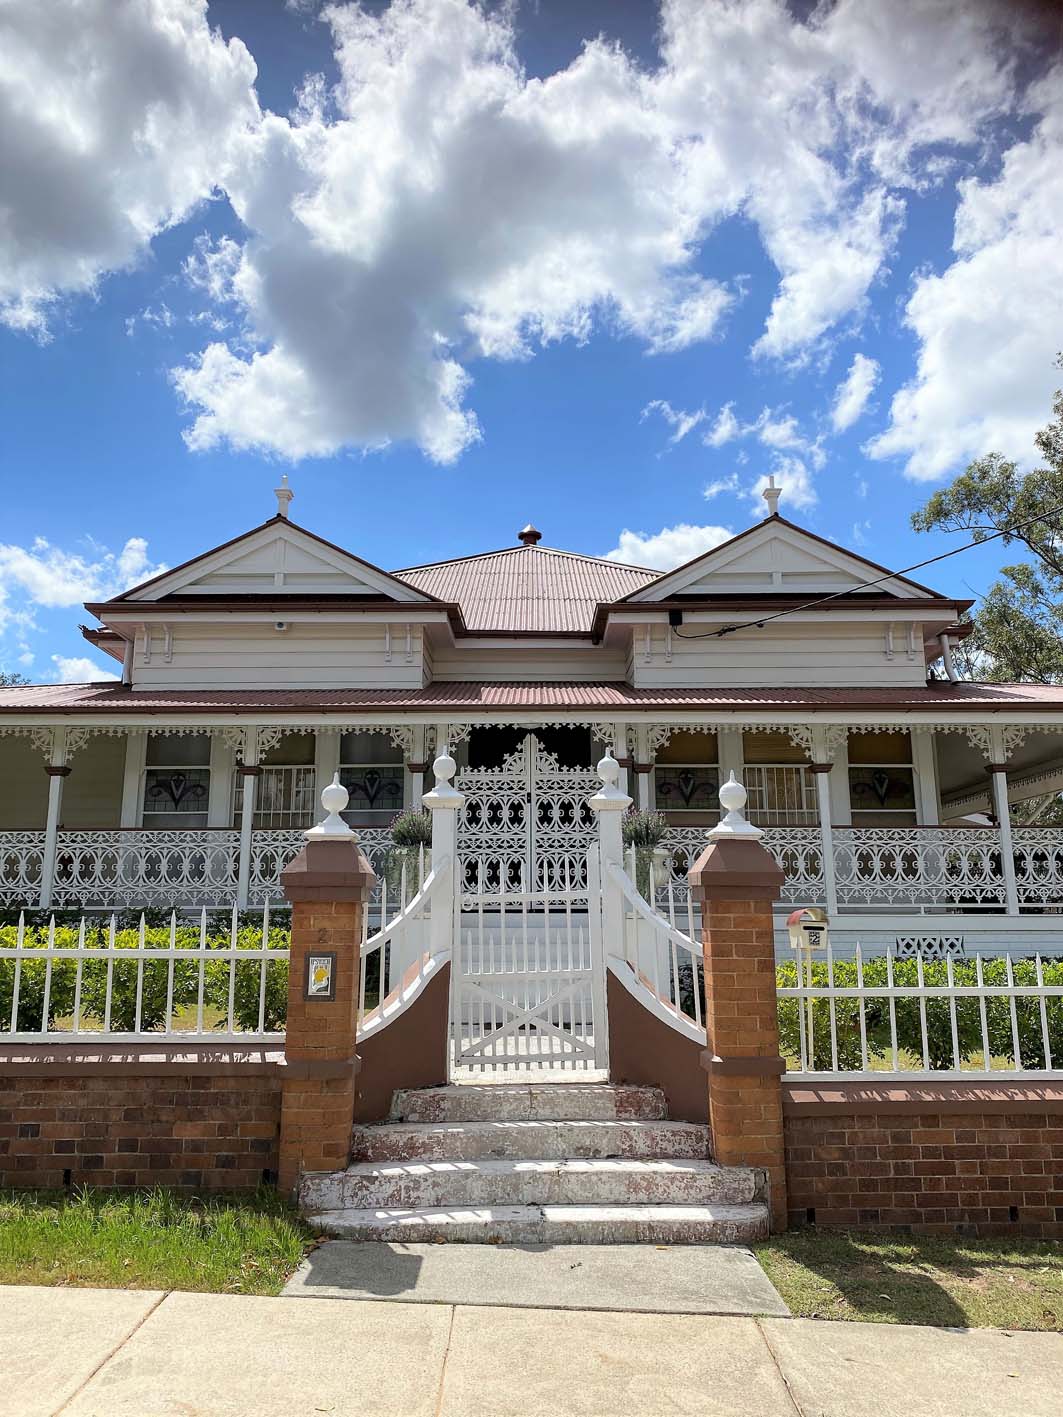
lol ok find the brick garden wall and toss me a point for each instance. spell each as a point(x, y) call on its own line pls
point(200, 1121)
point(981, 1159)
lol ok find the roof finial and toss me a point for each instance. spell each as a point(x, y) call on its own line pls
point(284, 495)
point(771, 495)
point(531, 535)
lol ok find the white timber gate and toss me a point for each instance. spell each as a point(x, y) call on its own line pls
point(528, 979)
point(526, 825)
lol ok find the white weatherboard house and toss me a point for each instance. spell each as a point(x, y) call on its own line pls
point(253, 673)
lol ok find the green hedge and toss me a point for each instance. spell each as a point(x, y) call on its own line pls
point(939, 1029)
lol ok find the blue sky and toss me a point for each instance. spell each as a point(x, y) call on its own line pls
point(495, 276)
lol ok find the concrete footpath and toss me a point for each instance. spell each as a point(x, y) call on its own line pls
point(116, 1353)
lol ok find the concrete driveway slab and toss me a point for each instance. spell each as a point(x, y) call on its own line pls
point(684, 1279)
point(537, 1363)
point(877, 1370)
point(52, 1340)
point(226, 1355)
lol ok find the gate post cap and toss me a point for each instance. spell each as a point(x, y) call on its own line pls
point(442, 794)
point(609, 798)
point(334, 799)
point(733, 797)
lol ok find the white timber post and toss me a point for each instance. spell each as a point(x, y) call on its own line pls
point(729, 753)
point(220, 787)
point(444, 802)
point(999, 772)
point(57, 770)
point(924, 761)
point(249, 771)
point(610, 804)
point(821, 769)
point(327, 744)
point(136, 751)
point(416, 764)
point(643, 769)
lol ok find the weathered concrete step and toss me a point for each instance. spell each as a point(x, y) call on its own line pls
point(528, 1141)
point(529, 1102)
point(588, 1181)
point(553, 1224)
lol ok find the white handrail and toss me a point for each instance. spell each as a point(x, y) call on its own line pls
point(663, 926)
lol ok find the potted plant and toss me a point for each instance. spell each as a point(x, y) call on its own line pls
point(411, 833)
point(645, 831)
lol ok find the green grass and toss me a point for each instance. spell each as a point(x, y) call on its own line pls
point(949, 1281)
point(226, 1244)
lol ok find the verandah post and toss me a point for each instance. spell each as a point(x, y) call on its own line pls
point(328, 884)
point(57, 769)
point(736, 881)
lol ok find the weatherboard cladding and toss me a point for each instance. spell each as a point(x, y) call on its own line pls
point(528, 588)
point(460, 696)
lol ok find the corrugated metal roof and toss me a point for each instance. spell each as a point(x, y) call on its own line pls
point(468, 696)
point(530, 588)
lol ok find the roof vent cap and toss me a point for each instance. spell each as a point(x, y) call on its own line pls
point(531, 536)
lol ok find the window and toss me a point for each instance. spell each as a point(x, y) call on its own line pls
point(781, 787)
point(176, 781)
point(881, 780)
point(686, 777)
point(373, 772)
point(285, 795)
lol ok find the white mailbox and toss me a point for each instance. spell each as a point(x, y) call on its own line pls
point(808, 928)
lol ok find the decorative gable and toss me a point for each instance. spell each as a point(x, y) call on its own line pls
point(277, 559)
point(776, 558)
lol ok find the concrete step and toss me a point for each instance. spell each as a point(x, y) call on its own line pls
point(529, 1102)
point(552, 1224)
point(529, 1141)
point(423, 1184)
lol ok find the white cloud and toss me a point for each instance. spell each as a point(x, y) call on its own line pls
point(118, 116)
point(679, 420)
point(79, 670)
point(723, 429)
point(671, 546)
point(46, 577)
point(989, 325)
point(793, 476)
point(852, 394)
point(437, 205)
point(721, 484)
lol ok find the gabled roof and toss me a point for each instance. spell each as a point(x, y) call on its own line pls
point(774, 556)
point(528, 589)
point(275, 558)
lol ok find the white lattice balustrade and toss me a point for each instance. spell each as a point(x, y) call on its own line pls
point(107, 868)
point(959, 867)
point(21, 859)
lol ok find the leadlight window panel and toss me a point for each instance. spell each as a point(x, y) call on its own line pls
point(882, 794)
point(771, 749)
point(373, 772)
point(176, 781)
point(687, 787)
point(781, 795)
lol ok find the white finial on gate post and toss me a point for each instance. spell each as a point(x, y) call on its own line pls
point(442, 794)
point(284, 495)
point(733, 798)
point(609, 798)
point(771, 495)
point(334, 799)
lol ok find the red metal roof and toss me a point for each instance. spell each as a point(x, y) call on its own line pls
point(469, 696)
point(528, 588)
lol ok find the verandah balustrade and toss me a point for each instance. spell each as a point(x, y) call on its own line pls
point(959, 869)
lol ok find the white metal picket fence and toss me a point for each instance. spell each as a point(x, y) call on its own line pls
point(880, 1017)
point(188, 981)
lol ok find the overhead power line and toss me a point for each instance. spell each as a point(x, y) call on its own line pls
point(763, 620)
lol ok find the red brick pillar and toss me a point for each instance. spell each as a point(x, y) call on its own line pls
point(327, 884)
point(736, 880)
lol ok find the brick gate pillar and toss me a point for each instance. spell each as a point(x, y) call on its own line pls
point(327, 884)
point(735, 880)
